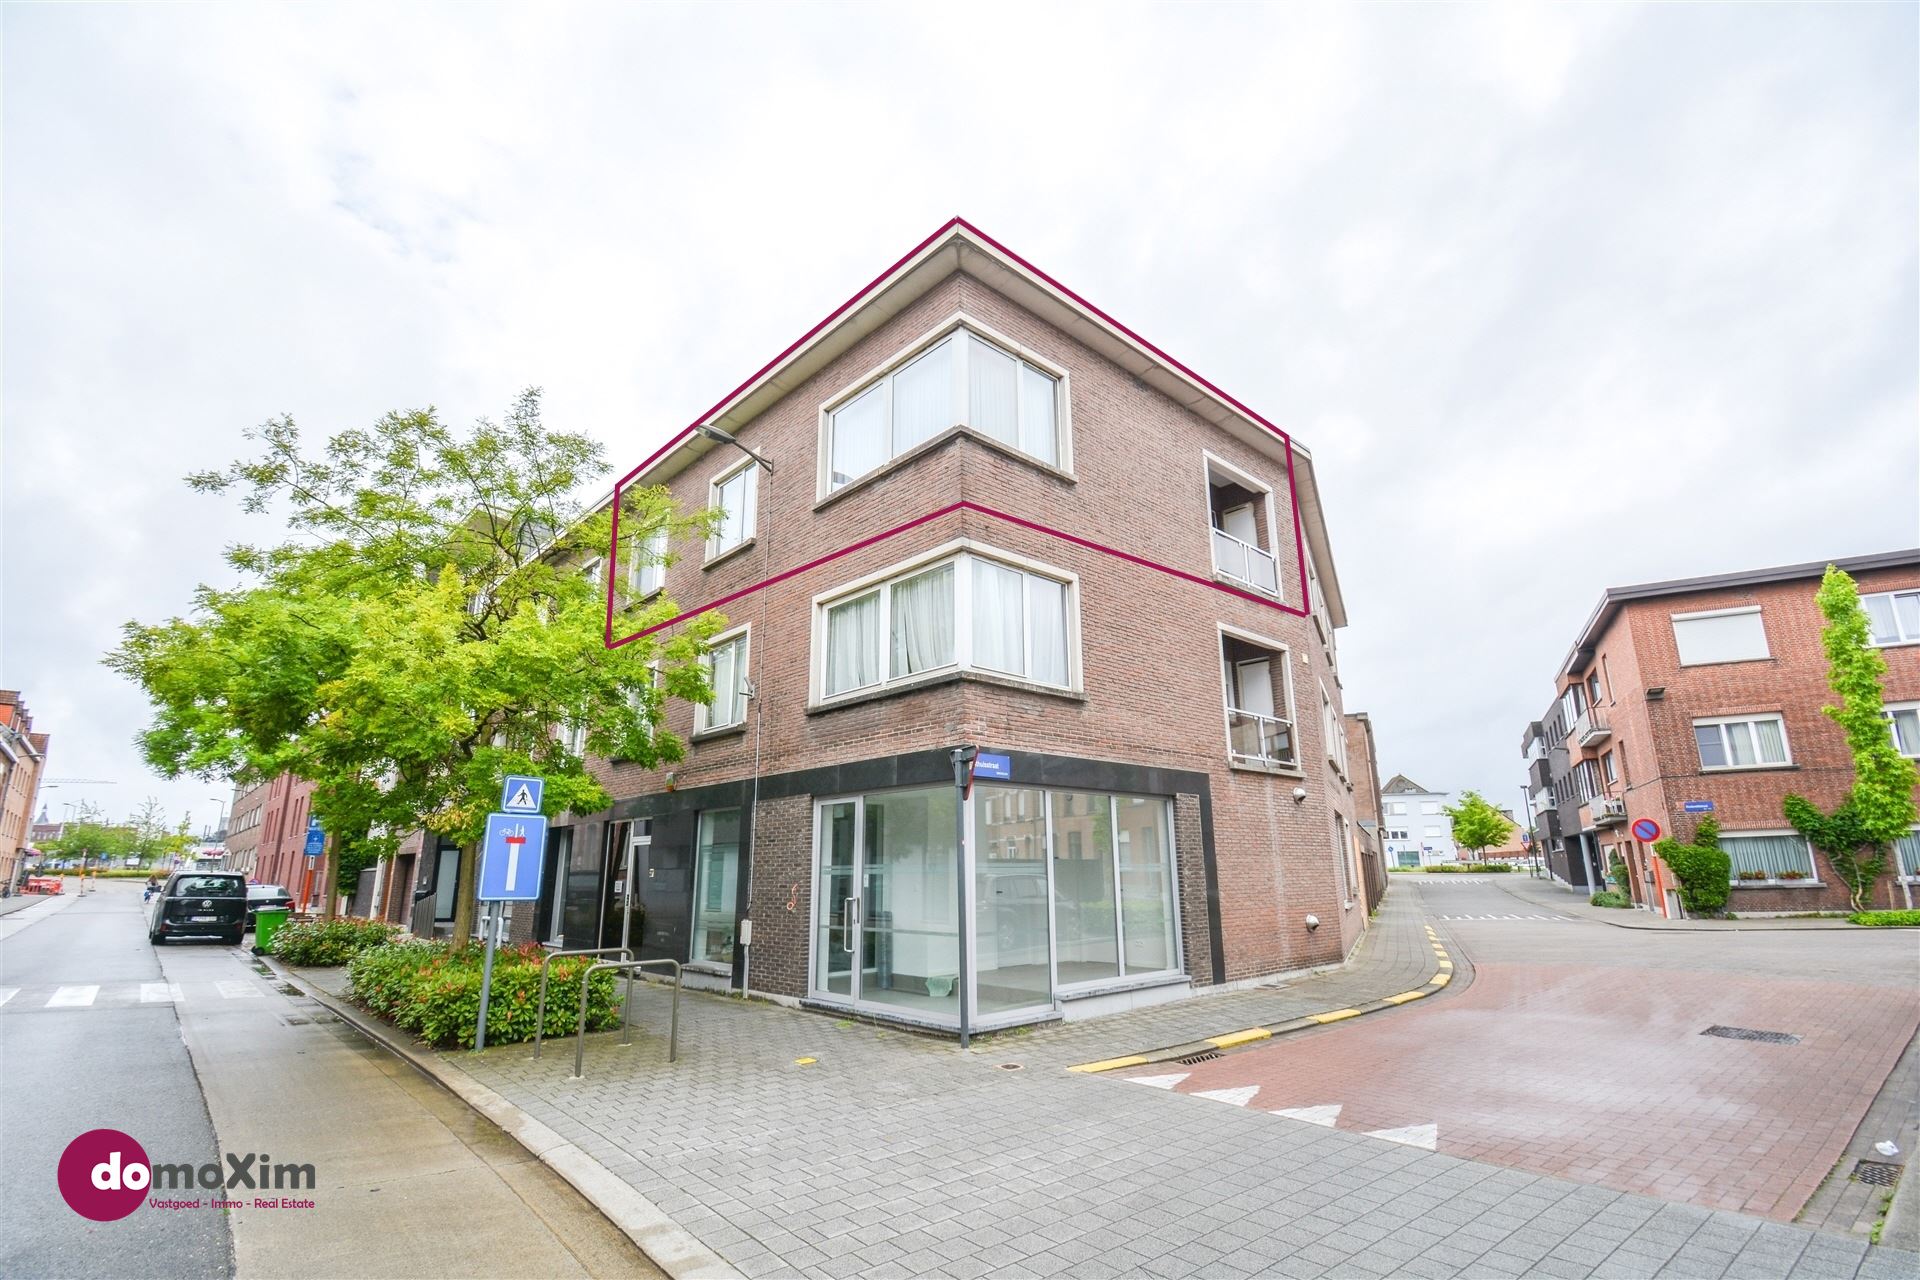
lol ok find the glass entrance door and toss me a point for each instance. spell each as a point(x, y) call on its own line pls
point(835, 940)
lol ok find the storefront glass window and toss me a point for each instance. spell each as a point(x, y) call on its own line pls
point(716, 890)
point(1010, 899)
point(909, 924)
point(1146, 883)
point(1083, 890)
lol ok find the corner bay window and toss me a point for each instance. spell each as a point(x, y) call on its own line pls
point(969, 612)
point(961, 380)
point(1747, 743)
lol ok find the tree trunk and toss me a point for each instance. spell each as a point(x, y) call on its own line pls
point(463, 899)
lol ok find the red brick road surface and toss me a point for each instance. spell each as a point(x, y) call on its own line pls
point(1577, 1052)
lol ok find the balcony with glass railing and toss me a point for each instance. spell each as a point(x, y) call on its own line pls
point(1258, 739)
point(1244, 562)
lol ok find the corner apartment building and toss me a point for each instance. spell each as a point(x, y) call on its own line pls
point(1704, 696)
point(1033, 533)
point(1418, 832)
point(23, 759)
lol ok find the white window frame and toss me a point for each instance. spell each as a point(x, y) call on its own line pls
point(592, 569)
point(883, 373)
point(1892, 728)
point(703, 721)
point(1701, 614)
point(1209, 462)
point(647, 560)
point(1914, 834)
point(1429, 806)
point(1330, 729)
point(1284, 656)
point(1902, 638)
point(957, 552)
point(749, 519)
point(1751, 717)
point(1813, 864)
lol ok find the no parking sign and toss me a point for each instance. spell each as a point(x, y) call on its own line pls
point(1646, 830)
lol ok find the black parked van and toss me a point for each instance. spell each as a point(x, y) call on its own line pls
point(199, 904)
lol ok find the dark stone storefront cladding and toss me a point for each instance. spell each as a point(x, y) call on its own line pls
point(776, 865)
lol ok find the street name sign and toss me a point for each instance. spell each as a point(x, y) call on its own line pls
point(1698, 806)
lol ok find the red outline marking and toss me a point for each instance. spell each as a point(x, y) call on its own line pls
point(1299, 539)
point(949, 509)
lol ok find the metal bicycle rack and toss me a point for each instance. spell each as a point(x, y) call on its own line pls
point(626, 1010)
point(540, 1026)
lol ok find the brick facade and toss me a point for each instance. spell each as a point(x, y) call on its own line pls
point(1657, 762)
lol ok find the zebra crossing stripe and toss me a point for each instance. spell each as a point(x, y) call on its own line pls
point(8, 993)
point(73, 997)
point(1324, 1116)
point(239, 990)
point(1413, 1135)
point(1232, 1097)
point(160, 993)
point(1159, 1082)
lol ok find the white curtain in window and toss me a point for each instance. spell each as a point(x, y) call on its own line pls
point(853, 644)
point(1907, 606)
point(1773, 747)
point(998, 624)
point(1047, 609)
point(1739, 743)
point(1909, 850)
point(1906, 731)
point(1036, 413)
point(646, 570)
point(992, 398)
point(1770, 855)
point(923, 622)
point(859, 436)
point(725, 677)
point(923, 398)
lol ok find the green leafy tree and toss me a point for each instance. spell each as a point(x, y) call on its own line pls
point(1477, 825)
point(424, 629)
point(153, 840)
point(1703, 869)
point(91, 838)
point(1879, 808)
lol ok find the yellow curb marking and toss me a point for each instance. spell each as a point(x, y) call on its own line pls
point(1405, 996)
point(1111, 1064)
point(1239, 1037)
point(1440, 980)
point(804, 1062)
point(1446, 964)
point(1335, 1016)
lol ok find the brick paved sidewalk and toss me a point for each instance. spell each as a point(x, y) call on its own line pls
point(1394, 956)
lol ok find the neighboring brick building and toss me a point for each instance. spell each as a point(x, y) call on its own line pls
point(23, 760)
point(1366, 804)
point(1166, 801)
point(1706, 695)
point(267, 833)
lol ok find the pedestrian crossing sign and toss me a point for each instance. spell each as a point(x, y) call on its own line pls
point(520, 794)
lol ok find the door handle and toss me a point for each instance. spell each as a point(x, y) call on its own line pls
point(849, 924)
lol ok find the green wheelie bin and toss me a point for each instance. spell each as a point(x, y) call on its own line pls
point(266, 923)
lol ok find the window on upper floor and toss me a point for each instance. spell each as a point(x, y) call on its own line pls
point(734, 495)
point(1904, 719)
point(1259, 692)
point(970, 610)
point(1720, 635)
point(727, 676)
point(1607, 768)
point(1240, 516)
point(1742, 742)
point(1330, 730)
point(1429, 806)
point(646, 563)
point(1894, 616)
point(591, 570)
point(960, 379)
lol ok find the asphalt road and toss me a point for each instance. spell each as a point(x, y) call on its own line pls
point(192, 1050)
point(70, 1068)
point(1584, 1051)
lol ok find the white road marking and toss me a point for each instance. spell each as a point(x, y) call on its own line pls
point(1413, 1135)
point(1323, 1116)
point(73, 997)
point(1232, 1097)
point(160, 992)
point(1160, 1082)
point(8, 993)
point(240, 989)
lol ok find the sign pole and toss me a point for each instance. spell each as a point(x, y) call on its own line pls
point(487, 911)
point(962, 778)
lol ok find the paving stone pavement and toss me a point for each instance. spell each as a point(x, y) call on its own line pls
point(896, 1155)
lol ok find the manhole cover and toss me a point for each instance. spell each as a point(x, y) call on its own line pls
point(1748, 1033)
point(1010, 1066)
point(1208, 1056)
point(1876, 1173)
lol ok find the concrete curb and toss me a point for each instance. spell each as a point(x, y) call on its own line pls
point(1582, 910)
point(673, 1248)
point(1442, 978)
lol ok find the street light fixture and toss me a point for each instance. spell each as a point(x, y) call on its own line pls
point(727, 437)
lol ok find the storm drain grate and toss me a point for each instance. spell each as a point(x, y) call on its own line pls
point(1191, 1059)
point(1748, 1033)
point(1876, 1173)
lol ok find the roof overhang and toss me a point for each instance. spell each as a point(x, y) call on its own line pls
point(960, 247)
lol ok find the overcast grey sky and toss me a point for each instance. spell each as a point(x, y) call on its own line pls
point(1559, 297)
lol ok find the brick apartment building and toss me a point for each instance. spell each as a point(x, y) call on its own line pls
point(1166, 800)
point(23, 759)
point(1366, 804)
point(267, 833)
point(1704, 695)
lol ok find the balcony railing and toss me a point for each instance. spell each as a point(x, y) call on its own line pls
point(1609, 811)
point(1262, 739)
point(1245, 563)
point(1590, 727)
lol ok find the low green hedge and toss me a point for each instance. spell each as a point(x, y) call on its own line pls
point(327, 943)
point(1908, 919)
point(1610, 898)
point(1477, 868)
point(433, 990)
